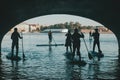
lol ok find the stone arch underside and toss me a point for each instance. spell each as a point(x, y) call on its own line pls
point(105, 12)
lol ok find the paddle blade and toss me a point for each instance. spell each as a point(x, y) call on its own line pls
point(89, 56)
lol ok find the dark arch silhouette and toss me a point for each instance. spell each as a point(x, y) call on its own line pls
point(104, 11)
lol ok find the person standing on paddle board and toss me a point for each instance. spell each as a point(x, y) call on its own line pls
point(15, 41)
point(76, 42)
point(50, 36)
point(96, 35)
point(68, 41)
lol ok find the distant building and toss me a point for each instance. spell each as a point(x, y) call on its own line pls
point(24, 27)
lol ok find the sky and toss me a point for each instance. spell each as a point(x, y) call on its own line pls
point(61, 18)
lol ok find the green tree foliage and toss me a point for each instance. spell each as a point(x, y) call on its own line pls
point(67, 25)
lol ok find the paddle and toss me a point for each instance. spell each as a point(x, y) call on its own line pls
point(89, 54)
point(54, 41)
point(22, 46)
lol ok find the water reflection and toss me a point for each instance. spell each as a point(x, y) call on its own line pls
point(117, 69)
point(14, 70)
point(73, 72)
point(50, 49)
point(1, 72)
point(93, 71)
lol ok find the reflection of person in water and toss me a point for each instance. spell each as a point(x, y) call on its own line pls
point(50, 48)
point(68, 41)
point(50, 36)
point(76, 42)
point(15, 41)
point(93, 71)
point(96, 35)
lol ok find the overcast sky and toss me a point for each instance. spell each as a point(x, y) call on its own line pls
point(61, 18)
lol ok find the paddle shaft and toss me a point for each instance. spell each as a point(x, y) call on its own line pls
point(87, 49)
point(86, 45)
point(54, 41)
point(22, 46)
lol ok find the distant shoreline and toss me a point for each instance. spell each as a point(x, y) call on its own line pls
point(82, 30)
point(102, 32)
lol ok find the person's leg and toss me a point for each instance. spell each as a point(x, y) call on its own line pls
point(74, 48)
point(66, 48)
point(70, 48)
point(94, 43)
point(49, 40)
point(78, 52)
point(12, 50)
point(17, 48)
point(98, 44)
point(99, 50)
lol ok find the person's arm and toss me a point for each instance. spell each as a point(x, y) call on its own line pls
point(92, 34)
point(66, 34)
point(82, 35)
point(12, 36)
point(19, 36)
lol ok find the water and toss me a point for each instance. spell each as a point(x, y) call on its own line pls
point(49, 63)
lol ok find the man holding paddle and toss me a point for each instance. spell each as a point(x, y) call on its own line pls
point(15, 41)
point(76, 42)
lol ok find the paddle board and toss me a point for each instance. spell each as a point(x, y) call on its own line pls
point(96, 54)
point(50, 45)
point(93, 55)
point(8, 56)
point(74, 60)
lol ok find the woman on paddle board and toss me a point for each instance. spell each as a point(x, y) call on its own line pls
point(68, 41)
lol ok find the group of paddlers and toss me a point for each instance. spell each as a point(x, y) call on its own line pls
point(71, 40)
point(74, 43)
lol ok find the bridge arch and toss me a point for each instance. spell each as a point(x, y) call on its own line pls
point(101, 11)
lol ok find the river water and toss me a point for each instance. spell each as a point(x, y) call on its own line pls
point(50, 63)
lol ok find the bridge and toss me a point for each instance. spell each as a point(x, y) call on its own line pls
point(105, 12)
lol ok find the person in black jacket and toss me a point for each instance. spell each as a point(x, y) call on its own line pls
point(76, 42)
point(50, 36)
point(96, 35)
point(15, 41)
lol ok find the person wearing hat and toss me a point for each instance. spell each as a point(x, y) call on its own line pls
point(96, 35)
point(76, 42)
point(15, 39)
